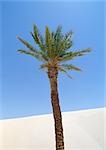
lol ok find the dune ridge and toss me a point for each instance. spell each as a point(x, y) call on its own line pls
point(83, 130)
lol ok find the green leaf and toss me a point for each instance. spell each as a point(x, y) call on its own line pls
point(58, 33)
point(71, 55)
point(32, 54)
point(49, 42)
point(65, 71)
point(47, 37)
point(25, 52)
point(67, 41)
point(38, 38)
point(53, 49)
point(70, 67)
point(28, 45)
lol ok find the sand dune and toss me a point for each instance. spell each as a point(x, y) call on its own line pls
point(83, 130)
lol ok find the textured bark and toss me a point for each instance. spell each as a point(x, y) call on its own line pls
point(52, 74)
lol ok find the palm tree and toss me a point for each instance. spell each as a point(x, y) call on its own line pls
point(53, 51)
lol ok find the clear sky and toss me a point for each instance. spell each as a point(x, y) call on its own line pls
point(25, 88)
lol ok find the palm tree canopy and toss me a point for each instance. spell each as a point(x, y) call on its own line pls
point(53, 49)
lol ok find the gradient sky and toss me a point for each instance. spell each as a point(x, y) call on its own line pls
point(25, 88)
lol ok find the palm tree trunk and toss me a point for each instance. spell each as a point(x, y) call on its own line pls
point(52, 74)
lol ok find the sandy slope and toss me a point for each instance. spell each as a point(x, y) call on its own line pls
point(83, 130)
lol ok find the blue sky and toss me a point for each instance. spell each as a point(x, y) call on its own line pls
point(25, 89)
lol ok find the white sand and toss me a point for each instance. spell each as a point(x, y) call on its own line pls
point(83, 130)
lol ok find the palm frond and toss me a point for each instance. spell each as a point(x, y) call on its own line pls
point(65, 71)
point(66, 68)
point(61, 42)
point(44, 66)
point(56, 42)
point(37, 56)
point(38, 37)
point(26, 52)
point(49, 42)
point(28, 45)
point(68, 35)
point(47, 37)
point(53, 49)
point(58, 33)
point(71, 55)
point(68, 40)
point(70, 67)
